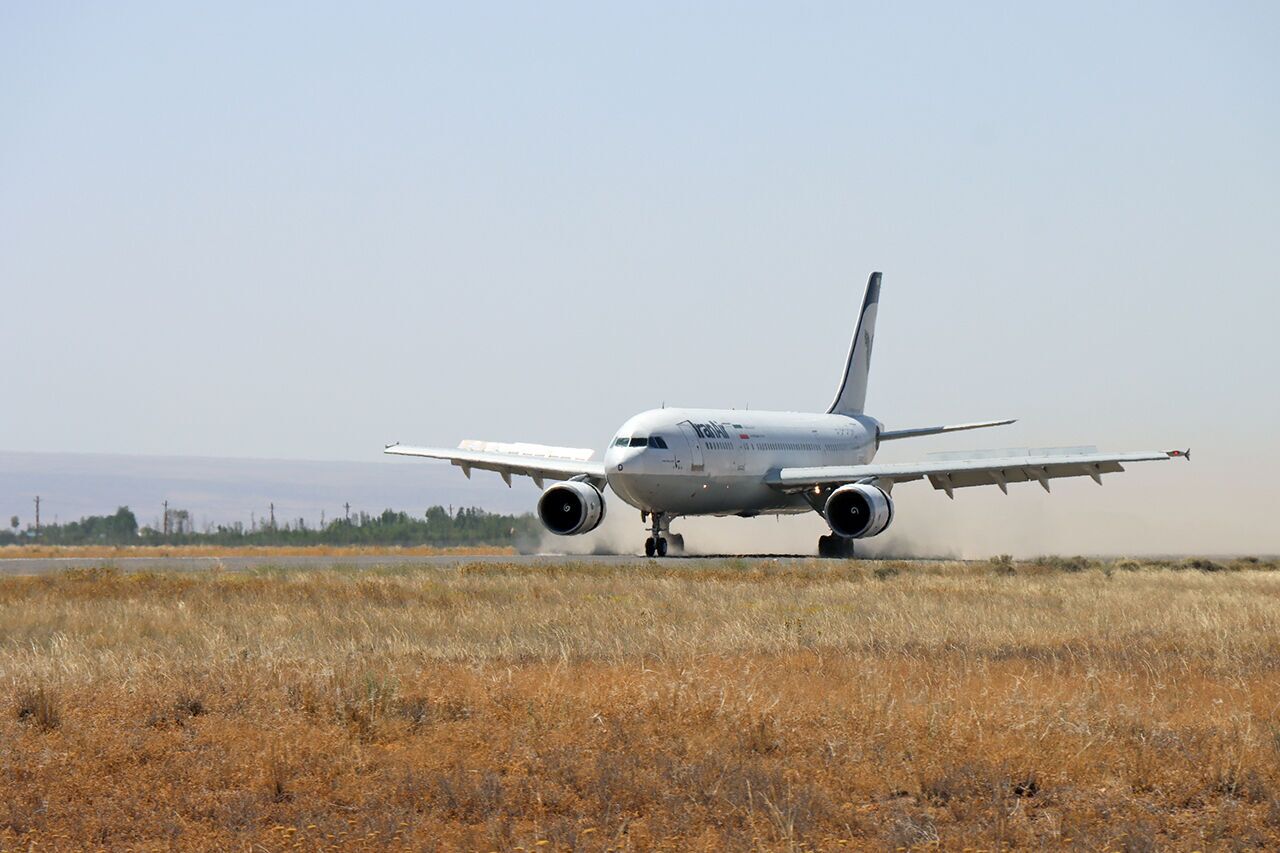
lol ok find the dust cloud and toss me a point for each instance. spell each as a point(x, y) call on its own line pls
point(1173, 508)
point(623, 533)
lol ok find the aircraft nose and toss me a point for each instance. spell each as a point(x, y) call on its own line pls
point(621, 458)
point(623, 469)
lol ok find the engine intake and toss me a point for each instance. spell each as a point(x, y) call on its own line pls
point(858, 510)
point(568, 509)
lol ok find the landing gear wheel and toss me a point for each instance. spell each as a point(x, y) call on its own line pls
point(656, 544)
point(836, 547)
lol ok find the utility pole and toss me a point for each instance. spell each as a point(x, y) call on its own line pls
point(37, 515)
point(347, 506)
point(273, 515)
point(322, 519)
point(166, 518)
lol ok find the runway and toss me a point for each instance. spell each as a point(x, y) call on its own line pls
point(51, 565)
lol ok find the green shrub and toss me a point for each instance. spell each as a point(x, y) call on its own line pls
point(1002, 564)
point(1203, 564)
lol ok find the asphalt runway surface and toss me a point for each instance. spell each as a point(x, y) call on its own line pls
point(52, 565)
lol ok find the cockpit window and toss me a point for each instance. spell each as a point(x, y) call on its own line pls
point(641, 441)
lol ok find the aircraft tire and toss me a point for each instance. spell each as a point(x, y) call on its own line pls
point(662, 547)
point(835, 547)
point(649, 547)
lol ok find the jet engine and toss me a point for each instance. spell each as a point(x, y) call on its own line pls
point(567, 509)
point(858, 510)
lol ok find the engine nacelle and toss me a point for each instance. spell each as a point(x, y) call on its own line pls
point(858, 510)
point(568, 509)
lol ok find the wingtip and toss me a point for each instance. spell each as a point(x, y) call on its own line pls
point(1174, 454)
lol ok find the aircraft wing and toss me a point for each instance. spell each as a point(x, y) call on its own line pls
point(978, 470)
point(537, 461)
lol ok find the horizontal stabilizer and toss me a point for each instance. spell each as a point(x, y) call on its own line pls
point(891, 434)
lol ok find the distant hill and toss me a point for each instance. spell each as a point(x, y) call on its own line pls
point(221, 491)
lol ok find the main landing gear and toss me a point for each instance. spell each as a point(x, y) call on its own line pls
point(662, 538)
point(835, 546)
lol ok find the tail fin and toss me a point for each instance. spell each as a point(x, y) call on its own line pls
point(853, 385)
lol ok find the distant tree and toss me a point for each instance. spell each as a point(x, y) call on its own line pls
point(13, 522)
point(465, 526)
point(123, 526)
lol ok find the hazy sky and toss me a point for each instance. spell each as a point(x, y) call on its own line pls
point(299, 231)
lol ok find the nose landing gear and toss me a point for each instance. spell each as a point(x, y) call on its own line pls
point(662, 538)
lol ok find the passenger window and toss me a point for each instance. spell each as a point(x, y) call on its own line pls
point(658, 442)
point(639, 442)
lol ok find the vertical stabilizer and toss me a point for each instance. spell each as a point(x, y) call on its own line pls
point(852, 393)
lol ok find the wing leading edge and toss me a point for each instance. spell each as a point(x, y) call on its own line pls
point(962, 473)
point(536, 461)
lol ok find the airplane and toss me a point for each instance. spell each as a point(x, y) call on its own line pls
point(672, 462)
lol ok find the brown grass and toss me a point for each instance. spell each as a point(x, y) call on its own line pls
point(105, 552)
point(730, 705)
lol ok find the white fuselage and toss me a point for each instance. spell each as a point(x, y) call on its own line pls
point(715, 460)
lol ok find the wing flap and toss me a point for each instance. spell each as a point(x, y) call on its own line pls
point(964, 473)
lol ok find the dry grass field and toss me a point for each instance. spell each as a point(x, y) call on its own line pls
point(703, 705)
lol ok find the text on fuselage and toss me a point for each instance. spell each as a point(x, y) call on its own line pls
point(711, 429)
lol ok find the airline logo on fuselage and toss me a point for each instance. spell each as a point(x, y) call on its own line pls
point(711, 429)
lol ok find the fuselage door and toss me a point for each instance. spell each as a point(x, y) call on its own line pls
point(697, 465)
